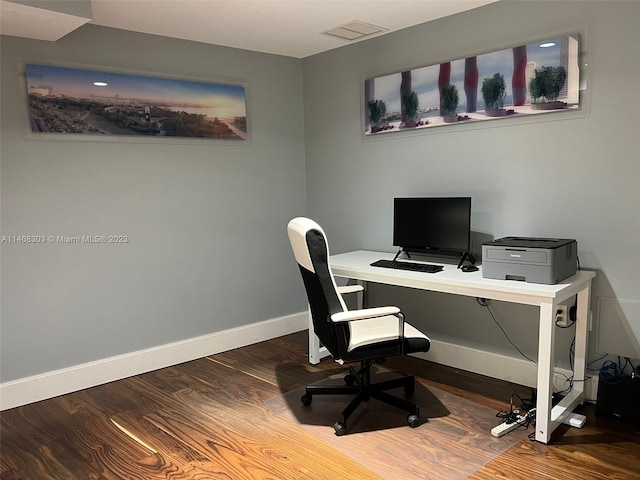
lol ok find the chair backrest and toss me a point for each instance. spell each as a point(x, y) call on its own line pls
point(311, 251)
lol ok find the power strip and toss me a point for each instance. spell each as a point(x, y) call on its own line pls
point(505, 427)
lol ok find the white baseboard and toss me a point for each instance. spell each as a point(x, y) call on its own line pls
point(498, 365)
point(67, 380)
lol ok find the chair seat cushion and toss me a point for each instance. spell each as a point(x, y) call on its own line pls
point(385, 329)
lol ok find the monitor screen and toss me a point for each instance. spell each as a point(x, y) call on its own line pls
point(438, 225)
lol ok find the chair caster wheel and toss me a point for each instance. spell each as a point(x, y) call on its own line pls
point(306, 399)
point(340, 428)
point(349, 379)
point(413, 420)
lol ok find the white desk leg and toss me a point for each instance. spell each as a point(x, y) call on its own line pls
point(582, 337)
point(360, 294)
point(548, 418)
point(546, 341)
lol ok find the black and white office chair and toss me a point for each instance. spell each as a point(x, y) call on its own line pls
point(362, 336)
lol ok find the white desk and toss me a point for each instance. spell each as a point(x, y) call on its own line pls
point(356, 265)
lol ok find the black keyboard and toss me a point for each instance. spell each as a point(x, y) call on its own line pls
point(413, 266)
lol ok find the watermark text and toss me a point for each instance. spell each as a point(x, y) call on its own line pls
point(63, 239)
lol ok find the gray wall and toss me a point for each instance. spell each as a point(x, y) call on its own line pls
point(206, 220)
point(574, 177)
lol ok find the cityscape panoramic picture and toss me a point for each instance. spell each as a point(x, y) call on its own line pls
point(75, 101)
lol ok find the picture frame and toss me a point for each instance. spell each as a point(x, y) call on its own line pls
point(81, 102)
point(541, 77)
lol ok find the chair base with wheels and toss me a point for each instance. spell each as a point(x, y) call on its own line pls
point(358, 383)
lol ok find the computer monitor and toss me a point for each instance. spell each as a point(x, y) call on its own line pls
point(433, 225)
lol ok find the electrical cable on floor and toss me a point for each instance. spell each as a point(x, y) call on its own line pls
point(517, 412)
point(514, 410)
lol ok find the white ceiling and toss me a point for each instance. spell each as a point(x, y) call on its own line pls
point(286, 27)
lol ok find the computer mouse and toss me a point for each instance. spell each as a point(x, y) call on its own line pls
point(469, 268)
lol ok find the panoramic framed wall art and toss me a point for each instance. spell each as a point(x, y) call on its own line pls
point(539, 77)
point(87, 102)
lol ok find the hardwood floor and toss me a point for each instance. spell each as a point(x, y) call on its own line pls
point(206, 419)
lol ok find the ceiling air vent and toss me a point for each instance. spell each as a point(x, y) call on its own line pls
point(354, 30)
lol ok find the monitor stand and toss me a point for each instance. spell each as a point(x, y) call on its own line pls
point(470, 256)
point(465, 255)
point(400, 251)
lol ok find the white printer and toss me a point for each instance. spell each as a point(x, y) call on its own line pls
point(532, 260)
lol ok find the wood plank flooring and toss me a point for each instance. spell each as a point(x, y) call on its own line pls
point(206, 419)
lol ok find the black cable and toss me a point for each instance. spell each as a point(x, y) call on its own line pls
point(515, 410)
point(571, 380)
point(572, 352)
point(627, 361)
point(483, 302)
point(568, 380)
point(633, 368)
point(515, 413)
point(531, 418)
point(526, 403)
point(594, 361)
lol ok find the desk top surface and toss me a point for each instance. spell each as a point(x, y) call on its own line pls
point(357, 265)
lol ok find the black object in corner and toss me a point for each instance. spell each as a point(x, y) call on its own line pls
point(620, 398)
